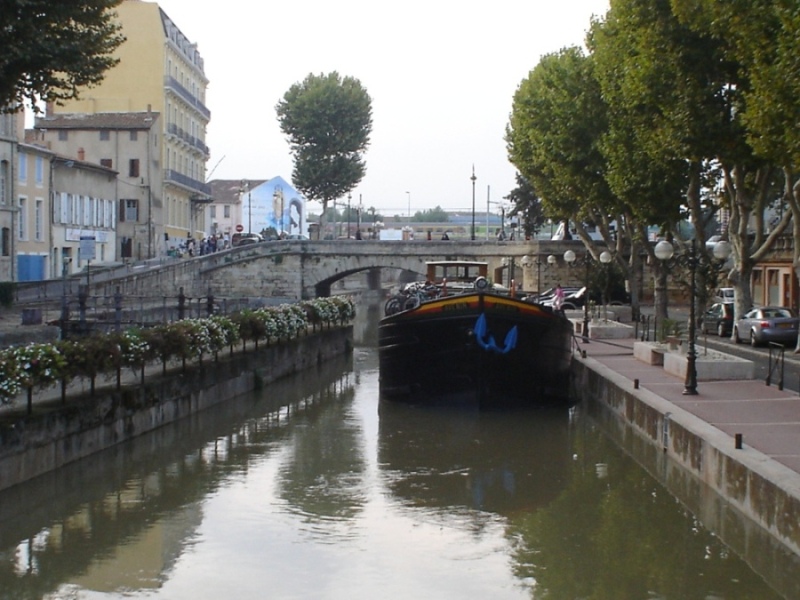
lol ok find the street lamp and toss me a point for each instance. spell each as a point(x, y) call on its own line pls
point(605, 258)
point(570, 259)
point(408, 194)
point(666, 252)
point(473, 178)
point(526, 264)
point(348, 215)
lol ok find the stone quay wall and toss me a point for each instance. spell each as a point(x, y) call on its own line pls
point(56, 435)
point(747, 499)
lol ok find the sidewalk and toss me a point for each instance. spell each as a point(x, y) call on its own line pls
point(767, 418)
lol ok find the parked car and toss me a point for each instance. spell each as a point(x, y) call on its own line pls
point(718, 319)
point(767, 324)
point(573, 297)
point(242, 239)
point(723, 294)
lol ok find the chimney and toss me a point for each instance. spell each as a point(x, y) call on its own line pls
point(81, 154)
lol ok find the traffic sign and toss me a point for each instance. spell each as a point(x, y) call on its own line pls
point(240, 228)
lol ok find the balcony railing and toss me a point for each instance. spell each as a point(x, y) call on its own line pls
point(187, 182)
point(189, 139)
point(172, 84)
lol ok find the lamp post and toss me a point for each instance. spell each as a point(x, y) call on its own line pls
point(570, 259)
point(473, 178)
point(358, 218)
point(605, 258)
point(408, 196)
point(666, 252)
point(526, 264)
point(348, 215)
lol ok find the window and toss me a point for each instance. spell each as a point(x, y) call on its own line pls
point(227, 211)
point(38, 220)
point(22, 232)
point(63, 135)
point(105, 135)
point(212, 211)
point(107, 162)
point(134, 135)
point(128, 210)
point(3, 180)
point(39, 171)
point(23, 166)
point(5, 241)
point(133, 167)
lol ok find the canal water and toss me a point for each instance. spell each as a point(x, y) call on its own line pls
point(314, 488)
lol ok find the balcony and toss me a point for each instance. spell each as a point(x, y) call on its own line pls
point(196, 143)
point(187, 182)
point(171, 84)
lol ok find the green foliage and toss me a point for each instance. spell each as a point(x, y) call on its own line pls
point(40, 365)
point(527, 205)
point(328, 121)
point(432, 215)
point(557, 120)
point(669, 327)
point(51, 49)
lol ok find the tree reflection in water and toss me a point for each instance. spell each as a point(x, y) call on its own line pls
point(614, 532)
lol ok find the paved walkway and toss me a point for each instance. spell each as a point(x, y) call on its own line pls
point(767, 418)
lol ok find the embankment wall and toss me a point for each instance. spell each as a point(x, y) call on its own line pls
point(55, 435)
point(749, 500)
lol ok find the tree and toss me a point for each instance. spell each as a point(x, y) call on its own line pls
point(328, 121)
point(432, 215)
point(527, 205)
point(679, 96)
point(554, 138)
point(53, 49)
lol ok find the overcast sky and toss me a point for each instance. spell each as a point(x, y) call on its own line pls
point(441, 75)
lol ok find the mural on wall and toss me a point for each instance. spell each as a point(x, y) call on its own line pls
point(275, 206)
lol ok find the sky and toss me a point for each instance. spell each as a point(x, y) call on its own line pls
point(441, 75)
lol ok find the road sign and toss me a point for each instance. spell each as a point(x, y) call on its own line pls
point(86, 250)
point(240, 228)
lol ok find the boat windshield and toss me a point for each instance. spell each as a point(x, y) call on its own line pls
point(456, 271)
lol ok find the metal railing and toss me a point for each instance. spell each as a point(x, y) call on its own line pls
point(777, 354)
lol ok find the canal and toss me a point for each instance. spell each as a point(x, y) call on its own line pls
point(313, 488)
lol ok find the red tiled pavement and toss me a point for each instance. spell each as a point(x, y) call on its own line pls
point(767, 418)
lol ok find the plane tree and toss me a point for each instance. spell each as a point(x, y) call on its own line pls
point(680, 92)
point(763, 38)
point(327, 120)
point(554, 137)
point(53, 49)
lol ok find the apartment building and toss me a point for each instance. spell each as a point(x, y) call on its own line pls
point(32, 232)
point(161, 70)
point(128, 144)
point(11, 125)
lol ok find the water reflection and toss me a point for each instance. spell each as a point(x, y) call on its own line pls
point(583, 519)
point(314, 488)
point(121, 518)
point(488, 461)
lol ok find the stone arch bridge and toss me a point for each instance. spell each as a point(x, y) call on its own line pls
point(303, 269)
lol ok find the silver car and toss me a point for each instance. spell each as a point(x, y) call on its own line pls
point(767, 324)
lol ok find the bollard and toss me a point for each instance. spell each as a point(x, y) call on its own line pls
point(738, 442)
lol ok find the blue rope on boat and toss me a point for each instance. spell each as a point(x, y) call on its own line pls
point(486, 340)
